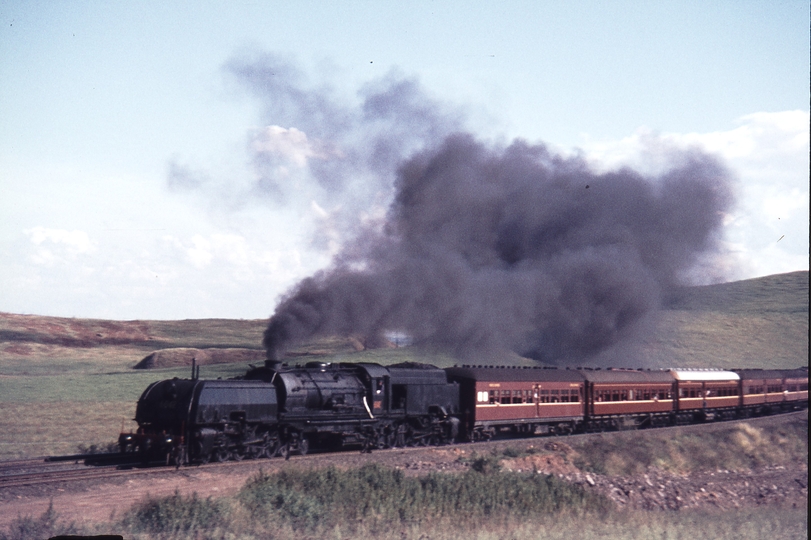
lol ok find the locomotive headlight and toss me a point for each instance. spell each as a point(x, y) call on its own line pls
point(168, 439)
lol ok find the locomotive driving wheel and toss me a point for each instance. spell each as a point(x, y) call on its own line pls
point(222, 454)
point(202, 456)
point(179, 455)
point(270, 446)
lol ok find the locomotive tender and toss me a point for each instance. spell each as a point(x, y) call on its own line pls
point(276, 409)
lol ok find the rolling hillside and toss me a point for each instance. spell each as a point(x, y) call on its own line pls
point(760, 322)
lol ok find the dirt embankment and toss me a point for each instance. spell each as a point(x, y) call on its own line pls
point(183, 356)
point(662, 490)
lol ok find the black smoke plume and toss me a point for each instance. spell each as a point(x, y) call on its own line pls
point(489, 248)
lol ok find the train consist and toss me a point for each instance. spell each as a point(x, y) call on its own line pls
point(275, 409)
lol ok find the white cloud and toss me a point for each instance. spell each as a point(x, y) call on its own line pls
point(53, 246)
point(291, 145)
point(74, 241)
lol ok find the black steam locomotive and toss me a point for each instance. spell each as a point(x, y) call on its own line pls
point(276, 409)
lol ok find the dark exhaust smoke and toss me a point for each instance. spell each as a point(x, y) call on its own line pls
point(486, 249)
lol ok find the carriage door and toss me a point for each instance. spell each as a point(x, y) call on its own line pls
point(536, 399)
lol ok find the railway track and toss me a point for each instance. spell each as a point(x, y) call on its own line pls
point(51, 477)
point(30, 472)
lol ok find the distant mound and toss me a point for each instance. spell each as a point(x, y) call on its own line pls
point(183, 356)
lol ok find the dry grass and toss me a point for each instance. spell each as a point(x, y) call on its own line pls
point(735, 447)
point(36, 429)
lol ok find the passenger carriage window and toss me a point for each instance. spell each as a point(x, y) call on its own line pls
point(492, 396)
point(518, 396)
point(575, 396)
point(544, 396)
point(505, 397)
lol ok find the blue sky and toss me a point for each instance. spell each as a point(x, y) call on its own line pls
point(101, 101)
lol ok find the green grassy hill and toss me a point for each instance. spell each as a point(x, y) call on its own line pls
point(759, 323)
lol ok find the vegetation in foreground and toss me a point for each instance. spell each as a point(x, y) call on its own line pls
point(487, 502)
point(375, 502)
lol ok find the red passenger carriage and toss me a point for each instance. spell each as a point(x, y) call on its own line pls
point(518, 400)
point(764, 389)
point(623, 397)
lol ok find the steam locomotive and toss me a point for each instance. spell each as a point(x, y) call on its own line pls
point(277, 409)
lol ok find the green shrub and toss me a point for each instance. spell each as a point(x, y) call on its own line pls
point(45, 526)
point(176, 515)
point(379, 497)
point(485, 464)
